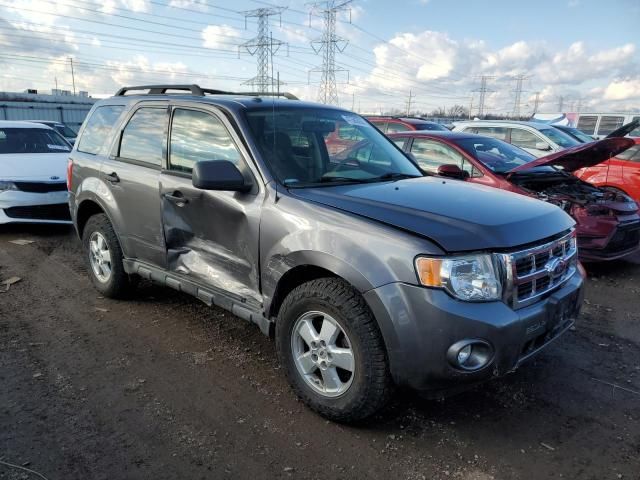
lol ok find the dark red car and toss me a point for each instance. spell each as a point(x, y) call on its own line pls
point(390, 124)
point(608, 223)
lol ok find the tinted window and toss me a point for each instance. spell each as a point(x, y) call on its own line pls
point(98, 128)
point(609, 123)
point(559, 138)
point(496, 155)
point(198, 136)
point(587, 123)
point(630, 153)
point(494, 132)
point(397, 127)
point(32, 140)
point(523, 139)
point(144, 135)
point(431, 126)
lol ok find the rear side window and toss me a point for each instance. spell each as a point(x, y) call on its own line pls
point(609, 123)
point(494, 132)
point(198, 136)
point(587, 123)
point(144, 135)
point(523, 139)
point(397, 127)
point(98, 128)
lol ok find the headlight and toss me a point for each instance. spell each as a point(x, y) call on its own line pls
point(7, 186)
point(470, 277)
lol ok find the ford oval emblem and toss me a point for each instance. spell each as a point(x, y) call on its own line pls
point(556, 267)
point(54, 178)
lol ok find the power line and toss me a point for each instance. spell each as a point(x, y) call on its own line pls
point(263, 46)
point(483, 91)
point(328, 44)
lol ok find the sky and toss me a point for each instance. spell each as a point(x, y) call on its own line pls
point(586, 52)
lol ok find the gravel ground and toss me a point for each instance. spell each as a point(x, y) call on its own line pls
point(163, 387)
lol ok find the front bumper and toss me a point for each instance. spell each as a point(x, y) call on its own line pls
point(420, 324)
point(607, 237)
point(29, 207)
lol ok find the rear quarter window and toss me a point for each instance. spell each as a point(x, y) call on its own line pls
point(587, 123)
point(609, 123)
point(99, 128)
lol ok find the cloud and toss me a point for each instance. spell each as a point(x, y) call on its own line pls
point(623, 89)
point(219, 36)
point(190, 4)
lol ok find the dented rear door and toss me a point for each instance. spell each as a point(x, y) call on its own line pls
point(211, 236)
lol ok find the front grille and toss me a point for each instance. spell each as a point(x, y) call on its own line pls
point(41, 187)
point(58, 211)
point(535, 272)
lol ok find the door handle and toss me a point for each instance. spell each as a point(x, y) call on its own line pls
point(177, 197)
point(112, 177)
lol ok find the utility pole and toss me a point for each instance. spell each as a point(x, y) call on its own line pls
point(73, 76)
point(560, 103)
point(328, 44)
point(518, 94)
point(483, 92)
point(263, 46)
point(536, 103)
point(409, 103)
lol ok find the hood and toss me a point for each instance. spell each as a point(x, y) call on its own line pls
point(625, 130)
point(33, 166)
point(581, 156)
point(458, 216)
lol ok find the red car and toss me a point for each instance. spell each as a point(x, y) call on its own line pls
point(621, 172)
point(608, 223)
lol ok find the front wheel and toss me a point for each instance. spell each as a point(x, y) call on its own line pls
point(332, 350)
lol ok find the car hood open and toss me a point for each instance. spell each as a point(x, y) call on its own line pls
point(456, 215)
point(581, 156)
point(625, 130)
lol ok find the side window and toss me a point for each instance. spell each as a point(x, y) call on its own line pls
point(382, 126)
point(609, 123)
point(431, 154)
point(397, 127)
point(349, 132)
point(198, 136)
point(399, 143)
point(494, 132)
point(144, 135)
point(98, 128)
point(631, 154)
point(587, 123)
point(470, 169)
point(523, 139)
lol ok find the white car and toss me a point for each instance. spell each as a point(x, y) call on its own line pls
point(538, 139)
point(33, 165)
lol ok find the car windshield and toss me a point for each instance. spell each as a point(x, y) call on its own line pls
point(431, 126)
point(580, 135)
point(496, 155)
point(559, 138)
point(65, 131)
point(311, 147)
point(32, 140)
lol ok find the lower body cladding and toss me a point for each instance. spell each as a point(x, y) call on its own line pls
point(440, 345)
point(31, 207)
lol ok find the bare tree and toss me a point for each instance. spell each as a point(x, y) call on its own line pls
point(457, 111)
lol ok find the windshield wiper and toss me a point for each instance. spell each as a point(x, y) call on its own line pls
point(392, 176)
point(343, 179)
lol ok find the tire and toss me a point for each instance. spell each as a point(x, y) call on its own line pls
point(366, 389)
point(117, 284)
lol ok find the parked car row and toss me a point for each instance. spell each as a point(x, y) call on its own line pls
point(374, 262)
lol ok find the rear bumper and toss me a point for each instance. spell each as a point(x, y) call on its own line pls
point(419, 326)
point(28, 207)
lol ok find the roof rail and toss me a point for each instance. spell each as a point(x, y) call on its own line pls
point(198, 91)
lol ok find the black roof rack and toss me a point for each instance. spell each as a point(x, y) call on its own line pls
point(198, 91)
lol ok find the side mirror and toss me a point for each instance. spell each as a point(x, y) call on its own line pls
point(219, 175)
point(544, 146)
point(452, 171)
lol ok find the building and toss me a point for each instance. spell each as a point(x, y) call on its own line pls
point(61, 106)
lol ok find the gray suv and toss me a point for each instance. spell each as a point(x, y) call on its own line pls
point(367, 273)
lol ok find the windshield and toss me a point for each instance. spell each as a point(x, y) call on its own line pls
point(580, 135)
point(496, 155)
point(431, 126)
point(32, 140)
point(559, 138)
point(65, 131)
point(312, 146)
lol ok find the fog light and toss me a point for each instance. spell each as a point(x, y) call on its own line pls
point(470, 355)
point(464, 354)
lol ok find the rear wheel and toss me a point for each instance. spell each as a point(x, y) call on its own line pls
point(104, 258)
point(332, 351)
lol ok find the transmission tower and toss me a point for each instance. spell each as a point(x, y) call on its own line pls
point(328, 44)
point(560, 103)
point(484, 79)
point(264, 46)
point(536, 103)
point(518, 94)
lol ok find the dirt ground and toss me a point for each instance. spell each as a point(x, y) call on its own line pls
point(163, 387)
